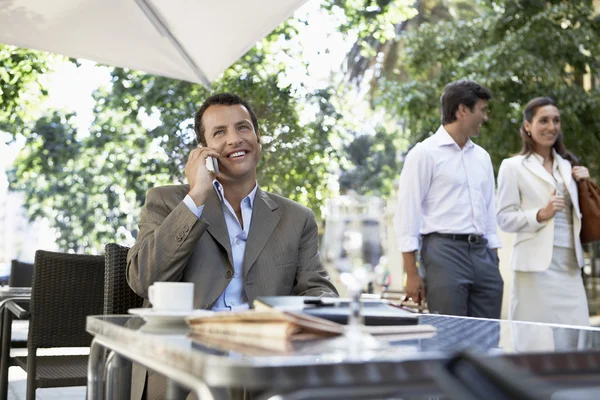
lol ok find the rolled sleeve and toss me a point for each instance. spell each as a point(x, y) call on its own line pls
point(196, 210)
point(407, 244)
point(532, 221)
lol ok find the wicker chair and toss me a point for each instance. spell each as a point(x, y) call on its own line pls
point(66, 289)
point(21, 274)
point(118, 296)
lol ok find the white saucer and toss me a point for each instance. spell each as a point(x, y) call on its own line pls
point(166, 317)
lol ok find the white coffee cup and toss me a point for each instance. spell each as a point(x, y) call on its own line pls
point(171, 296)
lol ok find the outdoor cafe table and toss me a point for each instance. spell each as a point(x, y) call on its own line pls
point(567, 356)
point(13, 293)
point(7, 294)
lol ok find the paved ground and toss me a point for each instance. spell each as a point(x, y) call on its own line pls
point(18, 388)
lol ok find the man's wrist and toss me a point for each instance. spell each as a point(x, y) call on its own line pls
point(198, 197)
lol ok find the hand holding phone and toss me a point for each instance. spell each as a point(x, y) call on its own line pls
point(200, 161)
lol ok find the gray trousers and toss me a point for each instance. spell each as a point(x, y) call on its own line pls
point(461, 278)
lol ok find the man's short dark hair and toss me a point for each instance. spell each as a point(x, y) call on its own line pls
point(461, 92)
point(221, 99)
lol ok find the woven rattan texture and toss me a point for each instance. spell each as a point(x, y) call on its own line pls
point(21, 274)
point(58, 371)
point(66, 289)
point(118, 296)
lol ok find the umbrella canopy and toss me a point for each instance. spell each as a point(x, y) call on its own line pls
point(192, 40)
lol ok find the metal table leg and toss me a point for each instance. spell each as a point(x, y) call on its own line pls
point(118, 377)
point(95, 372)
point(175, 391)
point(118, 374)
point(6, 317)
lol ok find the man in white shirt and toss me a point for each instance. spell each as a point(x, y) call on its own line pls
point(446, 208)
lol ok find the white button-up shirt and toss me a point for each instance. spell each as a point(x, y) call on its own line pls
point(234, 297)
point(445, 189)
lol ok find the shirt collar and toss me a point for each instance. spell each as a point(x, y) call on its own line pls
point(221, 192)
point(443, 138)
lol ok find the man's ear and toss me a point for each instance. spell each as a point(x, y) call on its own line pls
point(258, 138)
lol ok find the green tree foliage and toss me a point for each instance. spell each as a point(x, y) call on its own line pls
point(94, 186)
point(520, 50)
point(367, 154)
point(373, 164)
point(20, 91)
point(44, 172)
point(380, 26)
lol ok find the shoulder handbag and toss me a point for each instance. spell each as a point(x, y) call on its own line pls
point(589, 203)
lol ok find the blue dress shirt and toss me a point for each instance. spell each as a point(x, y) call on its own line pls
point(234, 297)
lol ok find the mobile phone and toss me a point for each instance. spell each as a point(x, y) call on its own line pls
point(212, 165)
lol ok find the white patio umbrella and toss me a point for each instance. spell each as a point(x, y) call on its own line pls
point(192, 40)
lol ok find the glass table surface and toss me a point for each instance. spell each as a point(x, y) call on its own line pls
point(548, 350)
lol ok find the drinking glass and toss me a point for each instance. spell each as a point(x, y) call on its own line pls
point(354, 244)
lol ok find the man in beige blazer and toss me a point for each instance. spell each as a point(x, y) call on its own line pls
point(281, 256)
point(234, 241)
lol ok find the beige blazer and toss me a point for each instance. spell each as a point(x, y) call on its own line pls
point(281, 257)
point(524, 187)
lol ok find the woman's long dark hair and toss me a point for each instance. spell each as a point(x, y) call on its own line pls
point(527, 143)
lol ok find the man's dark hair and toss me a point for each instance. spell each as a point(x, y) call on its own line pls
point(222, 99)
point(461, 92)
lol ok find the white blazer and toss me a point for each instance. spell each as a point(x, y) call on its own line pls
point(524, 187)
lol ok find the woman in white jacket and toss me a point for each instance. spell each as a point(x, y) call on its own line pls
point(537, 199)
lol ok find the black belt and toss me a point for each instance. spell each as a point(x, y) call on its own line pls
point(470, 238)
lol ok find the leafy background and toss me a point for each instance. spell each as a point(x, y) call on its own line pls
point(315, 142)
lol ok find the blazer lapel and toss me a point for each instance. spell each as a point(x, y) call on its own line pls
point(564, 168)
point(212, 214)
point(533, 165)
point(264, 220)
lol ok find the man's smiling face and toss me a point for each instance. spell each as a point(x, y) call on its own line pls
point(229, 131)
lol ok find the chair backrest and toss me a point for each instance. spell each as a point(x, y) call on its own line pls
point(66, 289)
point(118, 296)
point(21, 274)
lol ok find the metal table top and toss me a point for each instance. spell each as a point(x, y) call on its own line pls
point(547, 350)
point(8, 291)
